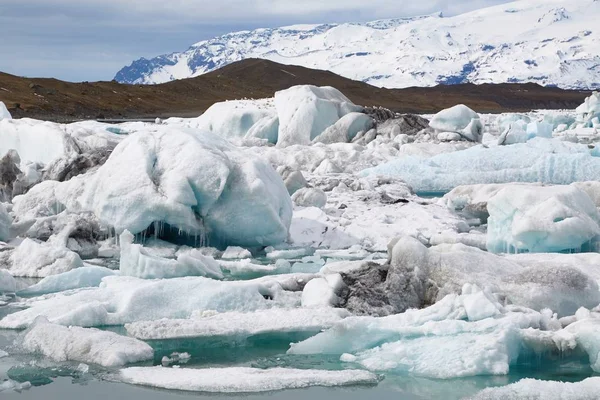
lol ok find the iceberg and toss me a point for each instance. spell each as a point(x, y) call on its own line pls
point(88, 276)
point(541, 219)
point(136, 261)
point(240, 119)
point(121, 299)
point(306, 111)
point(239, 324)
point(310, 197)
point(589, 110)
point(87, 345)
point(439, 341)
point(241, 379)
point(194, 183)
point(548, 161)
point(346, 128)
point(527, 389)
point(40, 259)
point(4, 114)
point(458, 119)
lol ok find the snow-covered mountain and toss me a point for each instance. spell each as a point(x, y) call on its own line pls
point(550, 42)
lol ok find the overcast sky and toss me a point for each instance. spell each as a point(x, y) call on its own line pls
point(90, 40)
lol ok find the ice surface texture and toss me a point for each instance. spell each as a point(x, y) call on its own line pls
point(87, 345)
point(548, 390)
point(538, 160)
point(541, 219)
point(242, 380)
point(195, 184)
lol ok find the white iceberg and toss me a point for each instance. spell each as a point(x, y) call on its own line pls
point(87, 345)
point(541, 219)
point(120, 300)
point(306, 111)
point(88, 276)
point(310, 197)
point(136, 261)
point(458, 119)
point(4, 114)
point(539, 160)
point(239, 324)
point(39, 259)
point(241, 379)
point(589, 110)
point(346, 128)
point(240, 119)
point(434, 342)
point(527, 389)
point(196, 183)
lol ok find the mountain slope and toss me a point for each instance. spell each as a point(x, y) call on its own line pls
point(52, 99)
point(550, 42)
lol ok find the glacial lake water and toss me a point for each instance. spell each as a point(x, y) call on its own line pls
point(62, 381)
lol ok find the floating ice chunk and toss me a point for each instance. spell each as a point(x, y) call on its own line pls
point(527, 389)
point(37, 259)
point(196, 183)
point(136, 261)
point(4, 114)
point(175, 358)
point(290, 253)
point(327, 167)
point(479, 304)
point(322, 292)
point(294, 180)
point(239, 324)
point(459, 119)
point(240, 119)
point(10, 385)
point(7, 282)
point(587, 335)
point(513, 134)
point(236, 253)
point(310, 197)
point(246, 267)
point(432, 342)
point(306, 111)
point(88, 345)
point(241, 379)
point(539, 160)
point(539, 129)
point(589, 110)
point(541, 219)
point(90, 276)
point(121, 299)
point(505, 120)
point(346, 128)
point(445, 357)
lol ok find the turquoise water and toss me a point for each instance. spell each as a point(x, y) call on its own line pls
point(63, 380)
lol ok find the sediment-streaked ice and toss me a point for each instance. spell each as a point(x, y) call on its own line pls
point(241, 379)
point(239, 324)
point(87, 345)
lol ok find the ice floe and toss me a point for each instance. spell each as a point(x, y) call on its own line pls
point(241, 379)
point(238, 324)
point(88, 345)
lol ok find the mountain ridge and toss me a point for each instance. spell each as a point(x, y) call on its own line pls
point(550, 42)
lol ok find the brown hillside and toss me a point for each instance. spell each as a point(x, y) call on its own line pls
point(52, 99)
